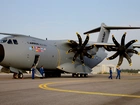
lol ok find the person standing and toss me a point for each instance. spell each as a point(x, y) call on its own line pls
point(110, 72)
point(33, 71)
point(41, 71)
point(118, 73)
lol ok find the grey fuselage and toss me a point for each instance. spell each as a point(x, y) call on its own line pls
point(20, 53)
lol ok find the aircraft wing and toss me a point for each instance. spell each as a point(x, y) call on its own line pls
point(13, 34)
point(112, 45)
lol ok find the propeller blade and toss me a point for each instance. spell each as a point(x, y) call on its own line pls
point(80, 39)
point(89, 47)
point(81, 58)
point(75, 56)
point(88, 55)
point(80, 49)
point(71, 50)
point(120, 60)
point(86, 41)
point(109, 48)
point(132, 51)
point(73, 42)
point(123, 39)
point(128, 58)
point(115, 41)
point(113, 56)
point(130, 43)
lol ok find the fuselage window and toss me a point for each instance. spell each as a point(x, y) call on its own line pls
point(9, 41)
point(3, 40)
point(15, 41)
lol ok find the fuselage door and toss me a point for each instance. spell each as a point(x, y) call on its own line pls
point(36, 60)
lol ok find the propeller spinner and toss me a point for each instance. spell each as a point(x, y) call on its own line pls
point(80, 48)
point(122, 50)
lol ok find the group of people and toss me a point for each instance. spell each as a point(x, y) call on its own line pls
point(118, 73)
point(41, 70)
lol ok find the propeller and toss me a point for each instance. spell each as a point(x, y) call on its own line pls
point(122, 50)
point(80, 49)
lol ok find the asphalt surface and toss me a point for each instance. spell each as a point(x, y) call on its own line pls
point(66, 90)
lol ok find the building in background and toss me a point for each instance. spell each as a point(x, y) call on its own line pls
point(103, 69)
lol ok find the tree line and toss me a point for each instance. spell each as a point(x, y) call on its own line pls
point(130, 70)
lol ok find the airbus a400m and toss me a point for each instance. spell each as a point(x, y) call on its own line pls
point(18, 53)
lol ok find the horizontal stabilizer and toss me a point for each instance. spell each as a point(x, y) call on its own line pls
point(110, 28)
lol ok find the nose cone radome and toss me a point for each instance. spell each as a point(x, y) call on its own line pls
point(1, 53)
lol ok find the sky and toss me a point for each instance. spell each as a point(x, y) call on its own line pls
point(61, 19)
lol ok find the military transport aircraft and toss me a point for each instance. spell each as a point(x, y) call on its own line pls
point(18, 53)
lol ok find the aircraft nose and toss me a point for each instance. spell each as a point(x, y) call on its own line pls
point(1, 53)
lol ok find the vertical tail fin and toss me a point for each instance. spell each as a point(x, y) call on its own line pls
point(103, 33)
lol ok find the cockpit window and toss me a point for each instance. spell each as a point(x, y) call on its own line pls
point(3, 40)
point(15, 41)
point(9, 41)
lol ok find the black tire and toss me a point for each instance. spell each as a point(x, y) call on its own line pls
point(73, 74)
point(81, 75)
point(77, 75)
point(20, 75)
point(85, 75)
point(15, 76)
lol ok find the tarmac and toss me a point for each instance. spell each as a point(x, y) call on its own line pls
point(67, 90)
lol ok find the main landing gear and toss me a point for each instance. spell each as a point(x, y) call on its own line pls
point(79, 75)
point(18, 75)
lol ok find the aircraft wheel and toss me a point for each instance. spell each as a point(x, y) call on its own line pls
point(85, 75)
point(15, 75)
point(59, 74)
point(81, 75)
point(77, 75)
point(20, 75)
point(73, 74)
